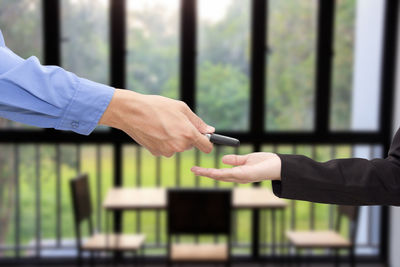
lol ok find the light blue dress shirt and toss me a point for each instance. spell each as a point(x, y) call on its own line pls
point(49, 96)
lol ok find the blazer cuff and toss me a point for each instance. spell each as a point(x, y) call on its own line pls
point(289, 185)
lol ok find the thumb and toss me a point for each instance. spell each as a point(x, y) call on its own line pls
point(235, 159)
point(200, 125)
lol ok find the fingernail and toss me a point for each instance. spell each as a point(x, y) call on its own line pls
point(210, 129)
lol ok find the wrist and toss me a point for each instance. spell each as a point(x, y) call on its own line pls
point(119, 105)
point(277, 168)
point(274, 165)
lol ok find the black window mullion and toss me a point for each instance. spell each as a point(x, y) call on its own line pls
point(117, 78)
point(117, 70)
point(188, 36)
point(117, 39)
point(38, 200)
point(257, 98)
point(386, 104)
point(17, 214)
point(58, 191)
point(51, 32)
point(388, 72)
point(99, 187)
point(51, 40)
point(326, 10)
point(258, 74)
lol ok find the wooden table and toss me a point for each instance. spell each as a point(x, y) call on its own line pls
point(156, 198)
point(135, 198)
point(254, 198)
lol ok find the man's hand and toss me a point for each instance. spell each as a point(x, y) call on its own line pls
point(162, 125)
point(254, 167)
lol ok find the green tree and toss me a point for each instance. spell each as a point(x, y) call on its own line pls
point(343, 64)
point(223, 68)
point(291, 65)
point(153, 47)
point(223, 96)
point(85, 43)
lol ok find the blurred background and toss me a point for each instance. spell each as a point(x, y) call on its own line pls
point(311, 77)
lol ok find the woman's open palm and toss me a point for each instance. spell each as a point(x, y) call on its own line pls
point(254, 167)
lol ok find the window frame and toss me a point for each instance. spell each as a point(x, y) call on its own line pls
point(256, 136)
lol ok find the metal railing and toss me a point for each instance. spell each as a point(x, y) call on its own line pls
point(36, 213)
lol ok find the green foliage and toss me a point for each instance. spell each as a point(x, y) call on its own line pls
point(85, 46)
point(152, 58)
point(291, 65)
point(223, 96)
point(227, 40)
point(223, 46)
point(20, 22)
point(223, 68)
point(153, 68)
point(343, 64)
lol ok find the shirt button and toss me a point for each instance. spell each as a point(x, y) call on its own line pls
point(75, 124)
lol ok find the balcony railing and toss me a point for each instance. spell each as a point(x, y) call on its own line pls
point(36, 213)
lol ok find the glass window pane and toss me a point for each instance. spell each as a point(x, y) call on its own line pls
point(291, 65)
point(21, 24)
point(85, 42)
point(356, 64)
point(153, 47)
point(223, 63)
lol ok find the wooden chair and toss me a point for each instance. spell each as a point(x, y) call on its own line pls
point(195, 212)
point(329, 239)
point(96, 242)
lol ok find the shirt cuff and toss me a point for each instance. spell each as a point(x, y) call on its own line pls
point(87, 106)
point(2, 43)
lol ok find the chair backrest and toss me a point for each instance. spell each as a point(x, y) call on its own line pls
point(199, 211)
point(81, 204)
point(351, 213)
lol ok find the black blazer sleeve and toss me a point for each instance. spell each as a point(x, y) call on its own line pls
point(353, 181)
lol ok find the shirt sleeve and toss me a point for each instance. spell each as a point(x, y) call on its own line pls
point(49, 96)
point(342, 181)
point(2, 43)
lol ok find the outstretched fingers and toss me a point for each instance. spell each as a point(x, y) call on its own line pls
point(226, 175)
point(235, 160)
